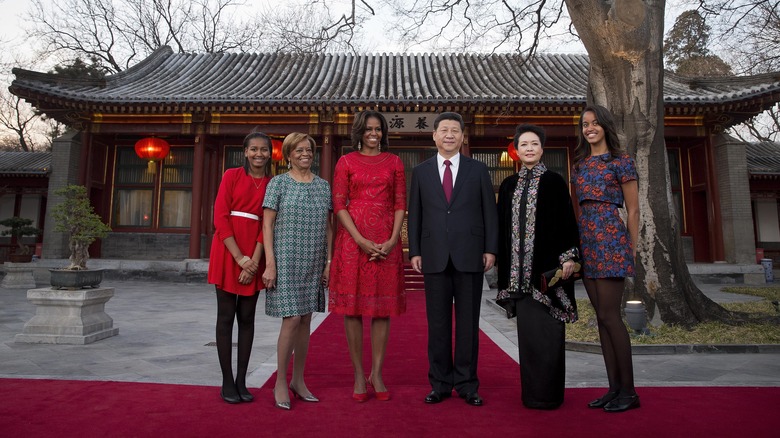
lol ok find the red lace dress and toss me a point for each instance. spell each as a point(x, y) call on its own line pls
point(371, 189)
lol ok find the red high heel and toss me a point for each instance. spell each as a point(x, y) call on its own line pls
point(360, 398)
point(380, 395)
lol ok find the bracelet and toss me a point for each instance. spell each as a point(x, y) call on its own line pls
point(328, 261)
point(243, 261)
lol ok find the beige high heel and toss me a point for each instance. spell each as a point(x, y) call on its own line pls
point(281, 404)
point(307, 398)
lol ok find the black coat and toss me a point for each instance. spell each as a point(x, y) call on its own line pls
point(556, 229)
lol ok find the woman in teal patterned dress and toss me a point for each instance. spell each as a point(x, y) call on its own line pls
point(297, 238)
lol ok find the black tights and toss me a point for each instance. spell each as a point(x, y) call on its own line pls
point(606, 295)
point(230, 307)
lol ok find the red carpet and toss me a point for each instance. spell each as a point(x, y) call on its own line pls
point(88, 408)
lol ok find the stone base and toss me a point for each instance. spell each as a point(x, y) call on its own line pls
point(68, 317)
point(18, 276)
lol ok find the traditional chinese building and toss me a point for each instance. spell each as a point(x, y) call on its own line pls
point(763, 162)
point(204, 104)
point(24, 184)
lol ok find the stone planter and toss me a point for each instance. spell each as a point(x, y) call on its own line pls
point(68, 317)
point(18, 276)
point(74, 280)
point(20, 258)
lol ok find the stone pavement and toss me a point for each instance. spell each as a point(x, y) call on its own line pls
point(166, 335)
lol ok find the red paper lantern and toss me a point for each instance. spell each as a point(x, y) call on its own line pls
point(152, 149)
point(512, 151)
point(276, 150)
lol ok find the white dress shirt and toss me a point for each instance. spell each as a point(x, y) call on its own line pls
point(455, 163)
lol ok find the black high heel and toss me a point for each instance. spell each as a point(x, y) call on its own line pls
point(603, 400)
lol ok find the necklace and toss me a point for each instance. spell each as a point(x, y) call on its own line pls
point(257, 186)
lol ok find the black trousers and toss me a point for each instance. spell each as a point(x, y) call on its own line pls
point(447, 371)
point(541, 342)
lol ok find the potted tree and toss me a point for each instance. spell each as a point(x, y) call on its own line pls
point(76, 217)
point(18, 227)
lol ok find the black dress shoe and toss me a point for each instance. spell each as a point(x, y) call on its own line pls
point(601, 402)
point(245, 395)
point(232, 398)
point(473, 399)
point(622, 403)
point(436, 397)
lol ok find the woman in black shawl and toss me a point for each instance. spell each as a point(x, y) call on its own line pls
point(537, 233)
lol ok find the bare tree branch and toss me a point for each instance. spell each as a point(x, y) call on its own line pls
point(494, 25)
point(119, 33)
point(749, 32)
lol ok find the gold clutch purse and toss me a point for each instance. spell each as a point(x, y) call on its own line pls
point(554, 277)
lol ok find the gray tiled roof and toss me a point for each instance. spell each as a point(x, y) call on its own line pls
point(763, 158)
point(25, 163)
point(169, 78)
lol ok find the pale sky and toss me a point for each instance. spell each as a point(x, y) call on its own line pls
point(13, 11)
point(375, 38)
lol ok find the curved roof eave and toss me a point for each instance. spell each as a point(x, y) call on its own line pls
point(170, 79)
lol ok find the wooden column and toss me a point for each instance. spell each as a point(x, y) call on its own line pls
point(465, 150)
point(85, 159)
point(326, 159)
point(714, 213)
point(196, 218)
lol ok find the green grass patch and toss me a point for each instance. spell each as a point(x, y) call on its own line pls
point(585, 329)
point(771, 293)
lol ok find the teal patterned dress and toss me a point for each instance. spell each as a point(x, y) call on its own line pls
point(300, 245)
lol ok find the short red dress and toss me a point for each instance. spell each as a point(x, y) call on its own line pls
point(239, 193)
point(371, 189)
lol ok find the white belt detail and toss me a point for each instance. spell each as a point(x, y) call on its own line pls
point(246, 215)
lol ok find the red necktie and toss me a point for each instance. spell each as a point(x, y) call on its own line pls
point(446, 182)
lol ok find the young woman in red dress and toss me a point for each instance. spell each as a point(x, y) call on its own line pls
point(236, 253)
point(366, 278)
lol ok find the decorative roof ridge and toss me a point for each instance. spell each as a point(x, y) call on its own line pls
point(54, 78)
point(480, 55)
point(696, 81)
point(156, 58)
point(764, 143)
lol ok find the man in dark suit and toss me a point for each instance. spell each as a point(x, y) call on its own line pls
point(453, 239)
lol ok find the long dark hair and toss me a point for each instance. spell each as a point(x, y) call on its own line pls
point(607, 123)
point(247, 139)
point(359, 128)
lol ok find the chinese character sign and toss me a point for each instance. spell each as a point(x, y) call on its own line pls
point(410, 122)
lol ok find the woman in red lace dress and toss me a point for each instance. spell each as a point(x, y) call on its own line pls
point(366, 277)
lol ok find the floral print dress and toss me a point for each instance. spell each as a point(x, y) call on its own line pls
point(606, 245)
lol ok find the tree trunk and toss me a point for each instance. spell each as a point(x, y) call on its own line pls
point(624, 42)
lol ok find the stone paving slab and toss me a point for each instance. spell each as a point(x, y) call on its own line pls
point(166, 335)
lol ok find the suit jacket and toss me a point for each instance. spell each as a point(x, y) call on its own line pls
point(461, 230)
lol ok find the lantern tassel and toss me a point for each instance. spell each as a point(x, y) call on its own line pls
point(151, 167)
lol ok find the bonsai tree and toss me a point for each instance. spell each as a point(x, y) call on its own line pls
point(76, 217)
point(18, 227)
